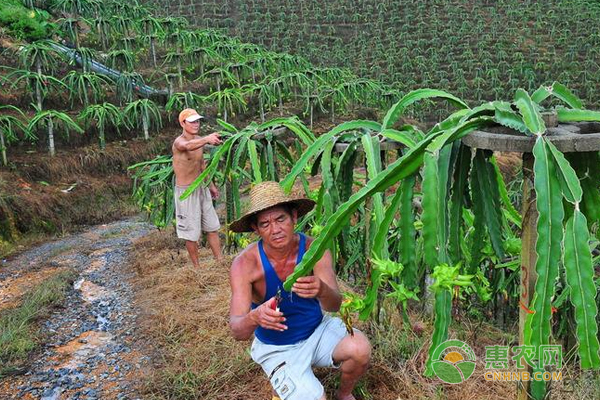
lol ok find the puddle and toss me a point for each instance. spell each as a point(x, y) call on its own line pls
point(78, 350)
point(90, 291)
point(12, 288)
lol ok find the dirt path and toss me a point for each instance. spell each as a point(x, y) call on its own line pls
point(91, 349)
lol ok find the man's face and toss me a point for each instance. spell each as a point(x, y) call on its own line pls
point(191, 128)
point(276, 226)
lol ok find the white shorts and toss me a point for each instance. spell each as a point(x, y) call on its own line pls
point(289, 367)
point(195, 214)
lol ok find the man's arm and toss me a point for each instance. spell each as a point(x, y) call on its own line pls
point(242, 320)
point(190, 145)
point(321, 285)
point(194, 144)
point(329, 294)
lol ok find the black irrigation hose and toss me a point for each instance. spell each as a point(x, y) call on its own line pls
point(142, 89)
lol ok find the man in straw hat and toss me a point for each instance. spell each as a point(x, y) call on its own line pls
point(196, 213)
point(291, 332)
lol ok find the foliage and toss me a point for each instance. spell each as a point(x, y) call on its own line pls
point(25, 23)
point(519, 44)
point(554, 178)
point(87, 87)
point(51, 120)
point(101, 115)
point(143, 112)
point(9, 126)
point(153, 189)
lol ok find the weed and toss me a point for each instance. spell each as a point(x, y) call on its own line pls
point(18, 331)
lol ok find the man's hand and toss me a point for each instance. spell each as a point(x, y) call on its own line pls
point(307, 286)
point(214, 191)
point(213, 139)
point(266, 316)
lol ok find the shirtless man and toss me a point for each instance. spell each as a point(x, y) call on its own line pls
point(196, 213)
point(292, 334)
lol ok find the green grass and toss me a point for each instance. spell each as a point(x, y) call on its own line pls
point(19, 333)
point(23, 22)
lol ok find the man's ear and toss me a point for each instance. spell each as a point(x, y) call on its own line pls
point(295, 216)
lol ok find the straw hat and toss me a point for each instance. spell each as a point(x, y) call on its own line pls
point(266, 195)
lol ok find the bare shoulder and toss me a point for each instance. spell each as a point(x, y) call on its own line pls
point(179, 140)
point(245, 262)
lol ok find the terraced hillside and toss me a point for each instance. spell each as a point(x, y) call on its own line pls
point(477, 49)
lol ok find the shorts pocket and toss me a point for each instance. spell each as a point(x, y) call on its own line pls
point(281, 382)
point(182, 223)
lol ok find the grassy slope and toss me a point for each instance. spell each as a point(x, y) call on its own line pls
point(52, 196)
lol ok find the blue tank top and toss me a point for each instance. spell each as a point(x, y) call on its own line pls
point(302, 315)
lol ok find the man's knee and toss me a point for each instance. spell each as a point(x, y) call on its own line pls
point(356, 348)
point(360, 347)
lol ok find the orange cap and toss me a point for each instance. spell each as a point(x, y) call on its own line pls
point(189, 115)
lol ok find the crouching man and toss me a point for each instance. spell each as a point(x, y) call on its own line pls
point(291, 332)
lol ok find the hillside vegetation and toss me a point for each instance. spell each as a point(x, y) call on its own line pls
point(479, 50)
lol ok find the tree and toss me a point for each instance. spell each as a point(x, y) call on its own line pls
point(51, 120)
point(265, 95)
point(120, 59)
point(9, 125)
point(87, 87)
point(221, 75)
point(71, 27)
point(177, 57)
point(201, 56)
point(102, 26)
point(75, 7)
point(179, 101)
point(38, 56)
point(143, 111)
point(337, 98)
point(228, 100)
point(87, 56)
point(101, 115)
point(37, 83)
point(127, 83)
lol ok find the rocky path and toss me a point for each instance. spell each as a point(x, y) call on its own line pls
point(90, 348)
